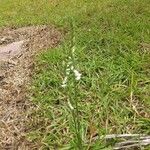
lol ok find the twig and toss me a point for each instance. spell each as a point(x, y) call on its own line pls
point(131, 144)
point(112, 136)
point(132, 140)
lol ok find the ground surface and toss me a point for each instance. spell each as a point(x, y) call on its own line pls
point(16, 69)
point(112, 40)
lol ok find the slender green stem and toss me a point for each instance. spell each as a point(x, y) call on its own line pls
point(73, 97)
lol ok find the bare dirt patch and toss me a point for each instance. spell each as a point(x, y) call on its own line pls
point(18, 46)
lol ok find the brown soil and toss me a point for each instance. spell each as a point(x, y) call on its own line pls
point(15, 73)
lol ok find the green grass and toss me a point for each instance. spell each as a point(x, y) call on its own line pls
point(114, 92)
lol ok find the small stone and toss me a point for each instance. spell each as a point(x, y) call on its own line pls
point(11, 50)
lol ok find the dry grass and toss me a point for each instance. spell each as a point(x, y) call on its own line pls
point(14, 104)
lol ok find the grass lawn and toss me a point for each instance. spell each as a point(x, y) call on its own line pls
point(112, 41)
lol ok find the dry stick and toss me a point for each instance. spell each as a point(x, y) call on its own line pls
point(143, 140)
point(144, 137)
point(111, 136)
point(114, 136)
point(128, 144)
point(133, 142)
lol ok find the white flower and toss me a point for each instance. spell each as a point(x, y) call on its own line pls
point(67, 71)
point(77, 74)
